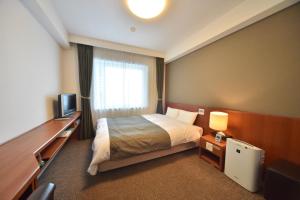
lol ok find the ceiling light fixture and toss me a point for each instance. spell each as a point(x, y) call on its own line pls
point(146, 9)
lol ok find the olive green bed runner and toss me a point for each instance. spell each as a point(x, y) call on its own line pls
point(130, 136)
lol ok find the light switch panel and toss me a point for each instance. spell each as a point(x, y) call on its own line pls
point(201, 111)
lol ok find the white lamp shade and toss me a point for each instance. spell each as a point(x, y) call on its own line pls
point(218, 121)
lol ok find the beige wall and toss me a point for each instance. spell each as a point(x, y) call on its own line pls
point(256, 69)
point(29, 71)
point(70, 73)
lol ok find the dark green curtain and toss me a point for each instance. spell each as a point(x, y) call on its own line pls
point(160, 65)
point(85, 62)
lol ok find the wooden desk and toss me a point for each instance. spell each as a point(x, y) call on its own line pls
point(19, 165)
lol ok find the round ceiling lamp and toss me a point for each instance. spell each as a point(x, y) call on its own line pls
point(146, 9)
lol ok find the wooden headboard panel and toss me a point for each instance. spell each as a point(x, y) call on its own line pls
point(278, 136)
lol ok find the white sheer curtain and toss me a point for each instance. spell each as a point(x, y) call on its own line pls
point(123, 84)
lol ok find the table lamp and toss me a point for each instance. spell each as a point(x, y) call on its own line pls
point(218, 122)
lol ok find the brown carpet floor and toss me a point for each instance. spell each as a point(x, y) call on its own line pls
point(179, 176)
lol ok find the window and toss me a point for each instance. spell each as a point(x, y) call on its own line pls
point(119, 85)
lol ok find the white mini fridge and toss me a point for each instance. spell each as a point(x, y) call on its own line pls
point(243, 163)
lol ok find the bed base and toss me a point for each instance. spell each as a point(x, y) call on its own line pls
point(114, 164)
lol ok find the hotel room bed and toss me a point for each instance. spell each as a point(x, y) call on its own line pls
point(124, 141)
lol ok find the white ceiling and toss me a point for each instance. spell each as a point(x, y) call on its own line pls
point(185, 26)
point(110, 20)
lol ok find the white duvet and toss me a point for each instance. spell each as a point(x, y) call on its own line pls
point(178, 131)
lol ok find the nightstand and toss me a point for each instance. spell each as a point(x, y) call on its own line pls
point(211, 151)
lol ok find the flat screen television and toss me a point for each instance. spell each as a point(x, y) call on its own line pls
point(66, 105)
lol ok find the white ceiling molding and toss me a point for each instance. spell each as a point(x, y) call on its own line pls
point(114, 46)
point(244, 14)
point(46, 15)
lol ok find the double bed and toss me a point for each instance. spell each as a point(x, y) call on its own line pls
point(123, 141)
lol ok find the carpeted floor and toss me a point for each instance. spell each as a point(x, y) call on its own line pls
point(179, 176)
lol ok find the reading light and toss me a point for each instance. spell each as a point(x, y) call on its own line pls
point(146, 9)
point(218, 121)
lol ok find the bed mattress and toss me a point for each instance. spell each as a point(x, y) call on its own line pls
point(178, 132)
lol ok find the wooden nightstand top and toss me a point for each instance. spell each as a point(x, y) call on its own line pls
point(211, 139)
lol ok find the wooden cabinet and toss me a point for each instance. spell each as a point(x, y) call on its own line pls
point(213, 152)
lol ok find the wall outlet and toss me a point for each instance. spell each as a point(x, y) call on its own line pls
point(201, 111)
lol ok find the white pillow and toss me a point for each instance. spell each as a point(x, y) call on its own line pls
point(172, 112)
point(187, 117)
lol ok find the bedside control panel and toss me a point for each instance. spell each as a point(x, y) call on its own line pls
point(201, 111)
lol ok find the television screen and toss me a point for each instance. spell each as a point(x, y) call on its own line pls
point(66, 104)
